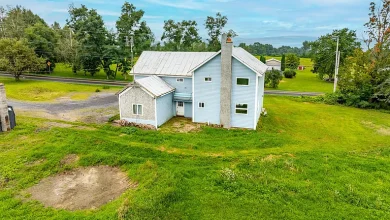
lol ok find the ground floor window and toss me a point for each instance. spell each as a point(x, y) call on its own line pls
point(137, 109)
point(201, 104)
point(242, 109)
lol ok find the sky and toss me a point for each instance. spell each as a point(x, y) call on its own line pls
point(277, 22)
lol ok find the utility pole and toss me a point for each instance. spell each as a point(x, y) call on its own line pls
point(337, 65)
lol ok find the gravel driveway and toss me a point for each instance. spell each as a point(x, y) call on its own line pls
point(97, 109)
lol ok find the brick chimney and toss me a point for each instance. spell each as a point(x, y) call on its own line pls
point(4, 117)
point(226, 80)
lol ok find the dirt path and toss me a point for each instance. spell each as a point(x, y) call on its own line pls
point(97, 109)
point(82, 188)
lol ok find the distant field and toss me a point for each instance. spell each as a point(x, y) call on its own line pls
point(305, 81)
point(63, 70)
point(29, 90)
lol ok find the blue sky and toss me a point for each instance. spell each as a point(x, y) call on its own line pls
point(278, 22)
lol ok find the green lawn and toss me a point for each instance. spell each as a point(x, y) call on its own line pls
point(29, 90)
point(62, 70)
point(305, 81)
point(307, 161)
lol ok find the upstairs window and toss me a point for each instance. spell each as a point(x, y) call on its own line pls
point(242, 109)
point(180, 80)
point(201, 104)
point(207, 79)
point(243, 81)
point(137, 109)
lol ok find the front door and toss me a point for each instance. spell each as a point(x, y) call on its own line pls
point(180, 108)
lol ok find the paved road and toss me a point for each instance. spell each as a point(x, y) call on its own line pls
point(119, 83)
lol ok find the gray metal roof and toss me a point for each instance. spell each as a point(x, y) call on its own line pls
point(249, 60)
point(155, 85)
point(185, 63)
point(169, 63)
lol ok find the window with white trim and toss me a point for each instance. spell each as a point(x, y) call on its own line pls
point(180, 80)
point(207, 79)
point(137, 109)
point(201, 105)
point(242, 109)
point(243, 81)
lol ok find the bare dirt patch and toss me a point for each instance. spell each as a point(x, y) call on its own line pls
point(69, 159)
point(82, 188)
point(180, 125)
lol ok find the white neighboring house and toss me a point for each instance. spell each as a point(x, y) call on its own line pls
point(223, 88)
point(274, 64)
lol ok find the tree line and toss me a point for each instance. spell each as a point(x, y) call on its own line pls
point(260, 49)
point(85, 44)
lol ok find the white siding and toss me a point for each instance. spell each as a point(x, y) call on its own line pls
point(181, 87)
point(243, 95)
point(208, 92)
point(260, 97)
point(164, 109)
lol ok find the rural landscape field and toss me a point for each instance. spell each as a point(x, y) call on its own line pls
point(159, 110)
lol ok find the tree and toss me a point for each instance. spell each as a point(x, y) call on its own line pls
point(292, 61)
point(378, 31)
point(214, 26)
point(14, 20)
point(180, 35)
point(263, 59)
point(283, 62)
point(95, 41)
point(44, 40)
point(272, 78)
point(323, 51)
point(16, 57)
point(130, 22)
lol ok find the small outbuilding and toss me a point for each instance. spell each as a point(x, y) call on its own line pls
point(144, 96)
point(274, 64)
point(301, 68)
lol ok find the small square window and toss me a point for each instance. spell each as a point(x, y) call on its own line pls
point(243, 81)
point(201, 104)
point(137, 109)
point(179, 80)
point(242, 109)
point(207, 79)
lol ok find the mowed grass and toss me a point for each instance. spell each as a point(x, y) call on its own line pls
point(306, 161)
point(29, 90)
point(305, 81)
point(63, 70)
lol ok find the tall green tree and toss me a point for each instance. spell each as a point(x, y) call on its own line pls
point(180, 36)
point(292, 61)
point(44, 40)
point(16, 57)
point(283, 62)
point(214, 26)
point(130, 24)
point(14, 21)
point(95, 41)
point(323, 51)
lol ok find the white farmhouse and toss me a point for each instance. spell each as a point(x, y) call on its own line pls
point(222, 88)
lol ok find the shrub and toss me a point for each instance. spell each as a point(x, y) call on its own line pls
point(289, 73)
point(97, 90)
point(114, 118)
point(272, 78)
